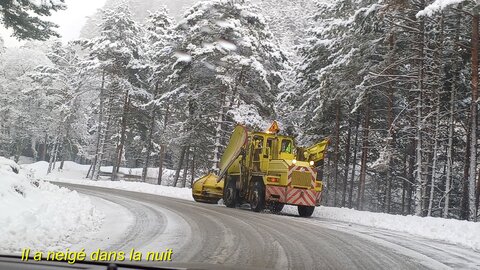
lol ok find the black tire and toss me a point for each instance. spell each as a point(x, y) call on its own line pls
point(276, 207)
point(305, 211)
point(230, 193)
point(257, 202)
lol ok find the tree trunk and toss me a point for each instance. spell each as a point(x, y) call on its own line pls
point(354, 165)
point(52, 155)
point(411, 175)
point(63, 155)
point(55, 155)
point(451, 126)
point(33, 146)
point(185, 169)
point(43, 156)
point(478, 189)
point(404, 183)
point(180, 164)
point(347, 163)
point(99, 127)
point(390, 127)
point(434, 156)
point(448, 176)
point(363, 165)
point(466, 171)
point(148, 143)
point(218, 134)
point(328, 177)
point(103, 141)
point(192, 170)
point(336, 152)
point(161, 157)
point(121, 144)
point(160, 163)
point(473, 119)
point(420, 177)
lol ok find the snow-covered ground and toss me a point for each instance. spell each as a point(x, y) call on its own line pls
point(449, 230)
point(453, 231)
point(40, 215)
point(75, 171)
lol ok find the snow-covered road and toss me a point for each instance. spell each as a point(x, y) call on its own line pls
point(218, 235)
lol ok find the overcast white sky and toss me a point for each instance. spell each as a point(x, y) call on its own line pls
point(70, 20)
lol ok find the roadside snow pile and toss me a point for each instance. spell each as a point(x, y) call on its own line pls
point(152, 173)
point(167, 191)
point(8, 165)
point(449, 230)
point(72, 170)
point(75, 173)
point(39, 215)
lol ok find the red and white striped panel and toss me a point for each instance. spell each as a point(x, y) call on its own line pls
point(319, 197)
point(301, 196)
point(292, 168)
point(276, 190)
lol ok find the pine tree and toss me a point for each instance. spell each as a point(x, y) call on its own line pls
point(227, 67)
point(24, 18)
point(115, 52)
point(160, 40)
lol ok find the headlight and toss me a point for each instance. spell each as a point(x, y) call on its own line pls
point(311, 163)
point(294, 161)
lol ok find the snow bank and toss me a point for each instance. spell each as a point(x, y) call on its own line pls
point(449, 230)
point(8, 165)
point(39, 215)
point(75, 173)
point(72, 170)
point(167, 191)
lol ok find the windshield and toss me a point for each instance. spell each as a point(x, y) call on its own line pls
point(237, 134)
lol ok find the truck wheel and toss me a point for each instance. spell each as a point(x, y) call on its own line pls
point(276, 207)
point(230, 193)
point(258, 197)
point(305, 211)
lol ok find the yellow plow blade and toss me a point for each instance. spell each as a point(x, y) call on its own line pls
point(207, 189)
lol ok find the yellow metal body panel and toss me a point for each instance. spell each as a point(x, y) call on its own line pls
point(316, 152)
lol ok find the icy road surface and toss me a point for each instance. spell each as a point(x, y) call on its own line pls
point(215, 234)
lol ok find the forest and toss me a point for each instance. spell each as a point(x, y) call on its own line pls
point(392, 83)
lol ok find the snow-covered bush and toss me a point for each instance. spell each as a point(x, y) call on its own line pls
point(40, 215)
point(8, 165)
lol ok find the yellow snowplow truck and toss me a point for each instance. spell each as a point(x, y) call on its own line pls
point(266, 170)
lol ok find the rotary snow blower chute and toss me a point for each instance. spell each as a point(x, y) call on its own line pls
point(266, 170)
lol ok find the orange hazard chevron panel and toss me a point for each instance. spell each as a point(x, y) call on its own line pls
point(319, 197)
point(301, 196)
point(276, 193)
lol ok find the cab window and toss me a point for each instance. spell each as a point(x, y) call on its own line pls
point(286, 146)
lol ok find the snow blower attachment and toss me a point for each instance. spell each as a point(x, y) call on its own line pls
point(207, 189)
point(266, 170)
